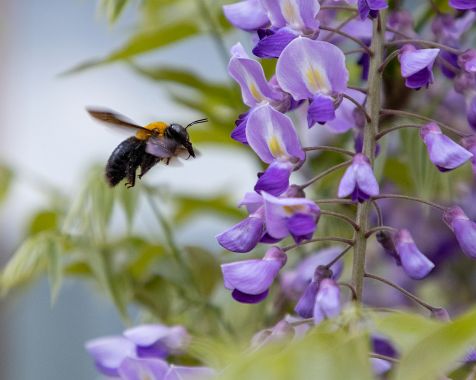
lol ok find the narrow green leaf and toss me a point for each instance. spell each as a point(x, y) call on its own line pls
point(113, 9)
point(55, 267)
point(45, 220)
point(438, 352)
point(144, 42)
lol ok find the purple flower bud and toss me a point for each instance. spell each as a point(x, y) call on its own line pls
point(295, 216)
point(441, 314)
point(370, 8)
point(415, 264)
point(138, 369)
point(358, 180)
point(416, 65)
point(467, 61)
point(246, 15)
point(383, 347)
point(158, 341)
point(463, 228)
point(463, 4)
point(464, 83)
point(109, 352)
point(401, 21)
point(470, 144)
point(239, 132)
point(385, 239)
point(327, 300)
point(348, 116)
point(244, 236)
point(305, 305)
point(443, 152)
point(271, 43)
point(249, 280)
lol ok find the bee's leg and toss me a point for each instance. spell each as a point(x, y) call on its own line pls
point(168, 161)
point(148, 162)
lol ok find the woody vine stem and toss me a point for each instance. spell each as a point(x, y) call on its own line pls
point(373, 107)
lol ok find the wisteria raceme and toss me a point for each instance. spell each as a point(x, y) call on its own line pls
point(314, 85)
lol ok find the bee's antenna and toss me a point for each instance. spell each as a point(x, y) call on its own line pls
point(199, 121)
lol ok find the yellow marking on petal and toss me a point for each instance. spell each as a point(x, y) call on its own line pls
point(275, 147)
point(290, 210)
point(316, 80)
point(255, 92)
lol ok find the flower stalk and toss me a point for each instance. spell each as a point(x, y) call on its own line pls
point(371, 129)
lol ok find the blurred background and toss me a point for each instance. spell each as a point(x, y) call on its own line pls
point(48, 144)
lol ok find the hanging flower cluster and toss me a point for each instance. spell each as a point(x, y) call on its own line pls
point(309, 44)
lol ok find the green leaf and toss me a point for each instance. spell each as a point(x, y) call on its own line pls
point(187, 207)
point(113, 9)
point(45, 220)
point(144, 42)
point(55, 268)
point(205, 269)
point(439, 351)
point(6, 176)
point(405, 329)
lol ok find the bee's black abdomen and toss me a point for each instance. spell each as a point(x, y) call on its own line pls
point(124, 161)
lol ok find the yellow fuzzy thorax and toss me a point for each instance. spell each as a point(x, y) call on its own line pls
point(158, 126)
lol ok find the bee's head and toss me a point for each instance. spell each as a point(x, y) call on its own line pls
point(180, 134)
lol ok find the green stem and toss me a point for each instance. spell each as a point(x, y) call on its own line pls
point(329, 149)
point(318, 240)
point(371, 129)
point(324, 173)
point(342, 217)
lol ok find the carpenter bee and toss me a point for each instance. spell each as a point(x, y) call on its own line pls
point(152, 143)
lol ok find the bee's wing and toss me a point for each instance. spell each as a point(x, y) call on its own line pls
point(111, 117)
point(161, 147)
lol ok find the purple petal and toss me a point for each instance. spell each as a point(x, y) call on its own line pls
point(467, 60)
point(305, 305)
point(146, 335)
point(139, 369)
point(278, 210)
point(327, 300)
point(380, 366)
point(369, 7)
point(249, 74)
point(272, 135)
point(246, 15)
point(414, 60)
point(307, 67)
point(321, 110)
point(272, 44)
point(415, 264)
point(471, 113)
point(189, 373)
point(253, 276)
point(297, 14)
point(358, 179)
point(275, 180)
point(244, 236)
point(345, 115)
point(463, 4)
point(422, 78)
point(252, 201)
point(239, 132)
point(463, 228)
point(301, 226)
point(443, 152)
point(249, 298)
point(109, 352)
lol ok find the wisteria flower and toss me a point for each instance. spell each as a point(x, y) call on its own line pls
point(415, 264)
point(348, 115)
point(290, 216)
point(315, 71)
point(289, 19)
point(245, 235)
point(255, 89)
point(273, 137)
point(444, 153)
point(386, 240)
point(471, 112)
point(295, 282)
point(359, 180)
point(140, 369)
point(305, 306)
point(109, 352)
point(247, 15)
point(382, 346)
point(327, 303)
point(416, 65)
point(467, 61)
point(250, 280)
point(463, 228)
point(155, 340)
point(463, 4)
point(370, 8)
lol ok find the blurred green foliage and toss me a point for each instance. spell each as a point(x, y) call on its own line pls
point(173, 283)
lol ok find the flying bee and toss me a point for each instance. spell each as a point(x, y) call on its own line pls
point(152, 143)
